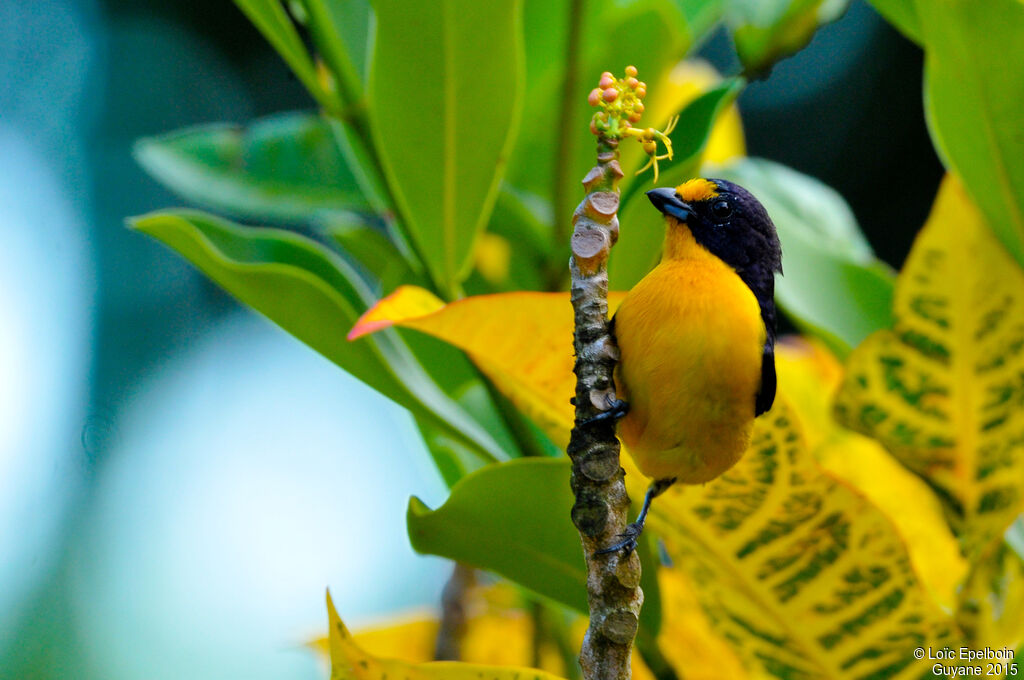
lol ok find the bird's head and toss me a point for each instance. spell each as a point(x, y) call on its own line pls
point(725, 219)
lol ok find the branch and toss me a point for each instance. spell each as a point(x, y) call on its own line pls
point(613, 580)
point(601, 507)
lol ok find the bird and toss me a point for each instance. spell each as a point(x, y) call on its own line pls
point(696, 340)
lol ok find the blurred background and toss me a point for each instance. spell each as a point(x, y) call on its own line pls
point(179, 480)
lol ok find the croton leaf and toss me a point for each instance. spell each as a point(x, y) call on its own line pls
point(805, 576)
point(316, 296)
point(520, 340)
point(350, 662)
point(513, 519)
point(944, 389)
point(444, 161)
point(973, 89)
point(285, 169)
point(809, 375)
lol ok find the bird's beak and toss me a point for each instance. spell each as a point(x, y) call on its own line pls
point(666, 201)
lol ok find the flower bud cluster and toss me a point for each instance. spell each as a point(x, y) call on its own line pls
point(620, 104)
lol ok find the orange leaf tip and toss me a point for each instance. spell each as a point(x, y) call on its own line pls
point(405, 303)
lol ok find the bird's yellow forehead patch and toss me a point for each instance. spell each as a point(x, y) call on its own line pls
point(697, 190)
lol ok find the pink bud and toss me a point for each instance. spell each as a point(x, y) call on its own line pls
point(610, 94)
point(607, 80)
point(594, 97)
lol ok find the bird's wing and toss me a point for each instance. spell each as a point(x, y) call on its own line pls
point(766, 395)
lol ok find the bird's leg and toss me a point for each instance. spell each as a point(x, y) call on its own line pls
point(616, 410)
point(633, 531)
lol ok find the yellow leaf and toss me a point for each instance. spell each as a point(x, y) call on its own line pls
point(992, 599)
point(499, 632)
point(687, 637)
point(805, 576)
point(407, 302)
point(349, 661)
point(522, 341)
point(944, 389)
point(809, 375)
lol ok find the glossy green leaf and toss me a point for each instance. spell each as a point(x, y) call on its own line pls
point(833, 285)
point(513, 519)
point(453, 459)
point(902, 14)
point(974, 86)
point(276, 26)
point(340, 29)
point(373, 252)
point(315, 296)
point(285, 169)
point(765, 31)
point(445, 92)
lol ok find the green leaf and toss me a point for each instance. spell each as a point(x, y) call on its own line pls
point(833, 286)
point(274, 23)
point(453, 459)
point(766, 31)
point(445, 92)
point(314, 295)
point(974, 86)
point(902, 14)
point(701, 16)
point(374, 252)
point(340, 30)
point(284, 169)
point(513, 519)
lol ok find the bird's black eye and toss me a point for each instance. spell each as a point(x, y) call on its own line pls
point(721, 209)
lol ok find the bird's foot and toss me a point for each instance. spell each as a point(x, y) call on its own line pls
point(629, 540)
point(616, 410)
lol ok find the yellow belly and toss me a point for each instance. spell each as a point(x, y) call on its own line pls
point(691, 339)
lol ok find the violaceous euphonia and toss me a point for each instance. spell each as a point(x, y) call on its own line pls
point(696, 339)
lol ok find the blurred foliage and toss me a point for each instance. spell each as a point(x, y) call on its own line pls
point(445, 162)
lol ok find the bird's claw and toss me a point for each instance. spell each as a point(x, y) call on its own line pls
point(630, 537)
point(616, 410)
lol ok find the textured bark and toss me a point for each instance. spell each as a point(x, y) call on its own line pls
point(602, 505)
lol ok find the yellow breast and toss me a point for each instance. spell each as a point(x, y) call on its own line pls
point(691, 340)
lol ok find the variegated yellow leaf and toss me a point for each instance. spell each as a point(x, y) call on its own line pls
point(522, 341)
point(809, 375)
point(349, 661)
point(804, 575)
point(944, 389)
point(689, 640)
point(992, 600)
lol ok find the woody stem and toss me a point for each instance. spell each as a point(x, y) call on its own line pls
point(601, 507)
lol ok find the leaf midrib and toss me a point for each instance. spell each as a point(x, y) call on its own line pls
point(450, 157)
point(727, 562)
